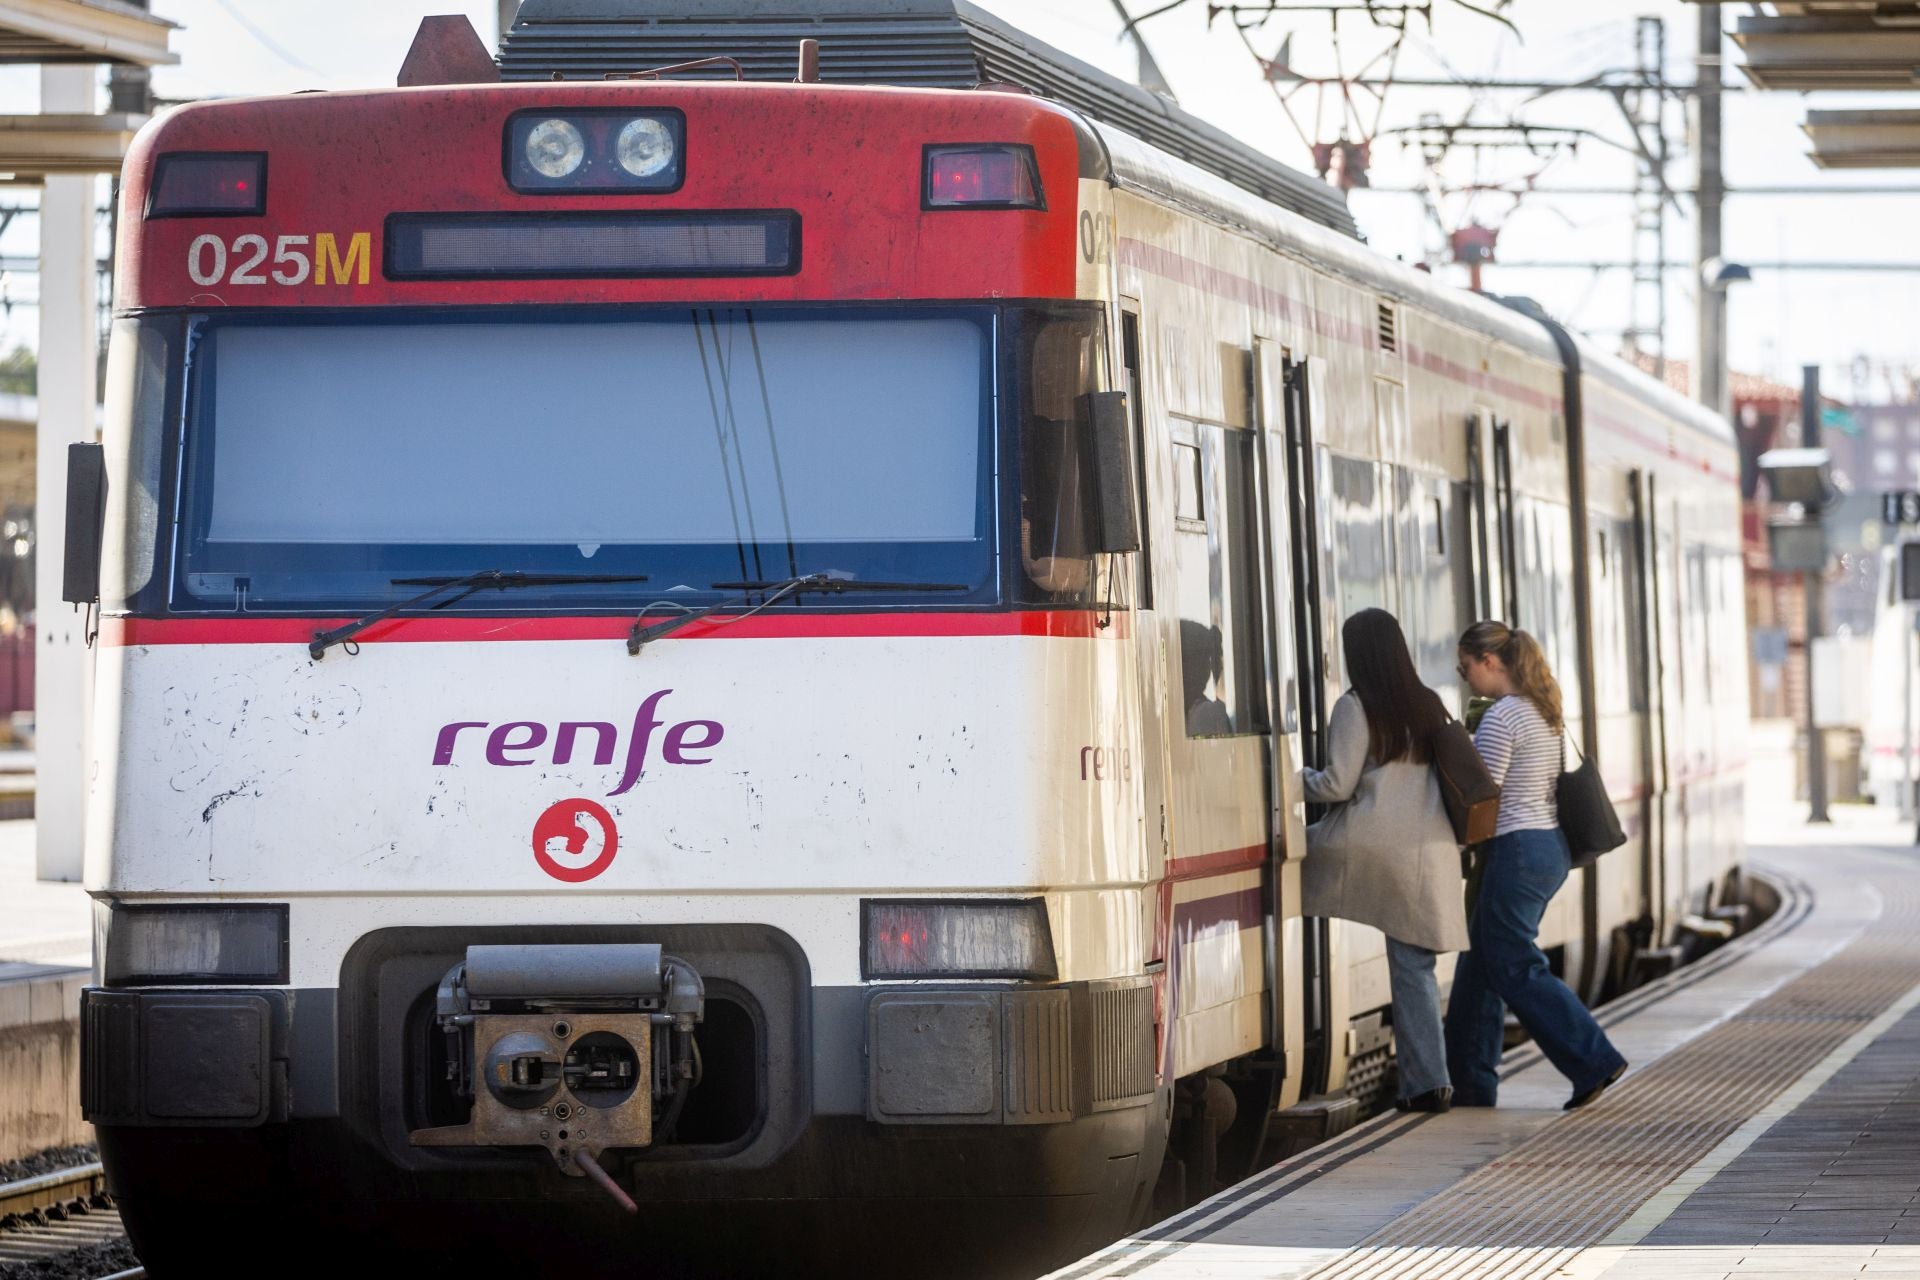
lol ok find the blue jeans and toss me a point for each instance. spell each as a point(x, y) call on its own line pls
point(1506, 967)
point(1418, 1044)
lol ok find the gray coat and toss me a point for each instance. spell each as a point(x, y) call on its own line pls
point(1385, 854)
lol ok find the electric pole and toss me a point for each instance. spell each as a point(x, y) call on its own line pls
point(1711, 357)
point(1815, 607)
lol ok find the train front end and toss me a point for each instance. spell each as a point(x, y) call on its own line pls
point(615, 719)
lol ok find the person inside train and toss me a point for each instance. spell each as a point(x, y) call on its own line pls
point(1385, 854)
point(1202, 659)
point(1525, 864)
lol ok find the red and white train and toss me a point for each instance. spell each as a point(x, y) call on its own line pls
point(744, 647)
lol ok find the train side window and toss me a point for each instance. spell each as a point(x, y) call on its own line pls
point(1216, 586)
point(1188, 485)
point(1428, 611)
point(1359, 536)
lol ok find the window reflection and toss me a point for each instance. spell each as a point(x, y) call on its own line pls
point(1216, 547)
point(1063, 359)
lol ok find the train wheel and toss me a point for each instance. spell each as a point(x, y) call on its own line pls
point(1204, 1108)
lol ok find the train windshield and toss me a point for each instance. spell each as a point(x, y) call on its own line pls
point(326, 458)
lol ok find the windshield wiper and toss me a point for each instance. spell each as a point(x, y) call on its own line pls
point(455, 589)
point(778, 590)
point(836, 586)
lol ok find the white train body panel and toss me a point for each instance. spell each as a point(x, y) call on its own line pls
point(253, 771)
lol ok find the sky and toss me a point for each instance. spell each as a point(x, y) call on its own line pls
point(1859, 326)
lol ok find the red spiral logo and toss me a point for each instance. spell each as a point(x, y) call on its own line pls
point(566, 823)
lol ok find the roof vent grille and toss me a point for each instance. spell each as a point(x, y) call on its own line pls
point(1389, 336)
point(915, 44)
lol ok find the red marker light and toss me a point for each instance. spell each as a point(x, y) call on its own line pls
point(208, 183)
point(960, 938)
point(991, 176)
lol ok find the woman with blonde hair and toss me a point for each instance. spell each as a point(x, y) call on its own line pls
point(1527, 861)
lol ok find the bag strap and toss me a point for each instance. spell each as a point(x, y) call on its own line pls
point(1566, 737)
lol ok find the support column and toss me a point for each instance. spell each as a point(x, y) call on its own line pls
point(1815, 585)
point(1711, 354)
point(506, 10)
point(63, 670)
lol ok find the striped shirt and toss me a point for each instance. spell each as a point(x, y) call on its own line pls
point(1524, 757)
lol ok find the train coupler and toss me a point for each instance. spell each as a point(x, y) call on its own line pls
point(577, 1049)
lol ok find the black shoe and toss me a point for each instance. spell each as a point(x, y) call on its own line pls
point(1580, 1100)
point(1438, 1101)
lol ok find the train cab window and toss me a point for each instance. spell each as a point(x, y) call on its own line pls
point(1216, 582)
point(136, 399)
point(1062, 358)
point(645, 453)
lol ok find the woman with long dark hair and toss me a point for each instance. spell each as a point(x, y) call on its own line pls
point(1527, 861)
point(1385, 855)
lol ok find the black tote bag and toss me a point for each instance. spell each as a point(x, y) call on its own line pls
point(1587, 818)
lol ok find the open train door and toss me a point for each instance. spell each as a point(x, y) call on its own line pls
point(1324, 996)
point(1302, 1057)
point(1291, 684)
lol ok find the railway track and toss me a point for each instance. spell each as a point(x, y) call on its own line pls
point(63, 1224)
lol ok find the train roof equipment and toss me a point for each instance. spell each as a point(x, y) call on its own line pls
point(917, 44)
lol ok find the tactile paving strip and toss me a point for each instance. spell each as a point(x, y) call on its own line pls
point(1526, 1214)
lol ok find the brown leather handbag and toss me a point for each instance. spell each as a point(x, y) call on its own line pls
point(1469, 792)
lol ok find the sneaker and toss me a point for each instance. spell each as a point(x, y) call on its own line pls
point(1580, 1100)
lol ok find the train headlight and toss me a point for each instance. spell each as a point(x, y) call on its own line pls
point(644, 147)
point(169, 945)
point(936, 938)
point(596, 150)
point(554, 148)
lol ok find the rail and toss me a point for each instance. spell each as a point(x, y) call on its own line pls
point(46, 1189)
point(64, 1219)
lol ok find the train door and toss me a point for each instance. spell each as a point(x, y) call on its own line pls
point(1324, 1009)
point(1669, 699)
point(1490, 516)
point(1152, 735)
point(1646, 689)
point(1220, 742)
point(1285, 592)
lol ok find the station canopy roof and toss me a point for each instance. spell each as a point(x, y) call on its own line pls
point(1832, 44)
point(74, 31)
point(1876, 139)
point(38, 31)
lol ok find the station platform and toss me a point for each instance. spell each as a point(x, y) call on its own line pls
point(46, 957)
point(1770, 1122)
point(42, 922)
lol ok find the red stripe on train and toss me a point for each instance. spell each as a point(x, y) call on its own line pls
point(1080, 624)
point(1219, 862)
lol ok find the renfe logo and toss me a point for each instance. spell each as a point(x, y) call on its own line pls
point(519, 742)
